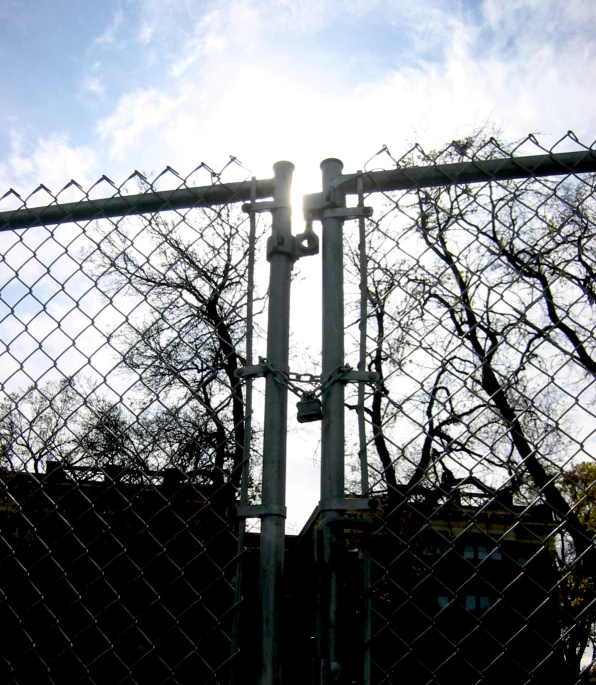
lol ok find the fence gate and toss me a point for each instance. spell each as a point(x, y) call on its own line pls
point(454, 537)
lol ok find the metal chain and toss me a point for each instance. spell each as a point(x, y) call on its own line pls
point(281, 377)
point(335, 375)
point(289, 379)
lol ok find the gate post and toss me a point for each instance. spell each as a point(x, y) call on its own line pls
point(281, 254)
point(332, 430)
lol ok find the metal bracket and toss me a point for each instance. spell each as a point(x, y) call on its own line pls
point(341, 504)
point(301, 245)
point(277, 243)
point(307, 243)
point(265, 206)
point(360, 377)
point(255, 371)
point(318, 206)
point(343, 522)
point(314, 204)
point(255, 511)
point(346, 213)
point(262, 369)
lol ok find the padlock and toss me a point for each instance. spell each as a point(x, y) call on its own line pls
point(309, 408)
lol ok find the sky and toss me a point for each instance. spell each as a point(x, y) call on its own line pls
point(105, 88)
point(93, 88)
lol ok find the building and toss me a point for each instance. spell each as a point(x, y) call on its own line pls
point(119, 576)
point(463, 588)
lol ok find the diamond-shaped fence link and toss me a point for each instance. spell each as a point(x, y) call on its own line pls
point(479, 440)
point(123, 449)
point(467, 551)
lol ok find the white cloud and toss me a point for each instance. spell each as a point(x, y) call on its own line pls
point(94, 85)
point(50, 161)
point(140, 112)
point(237, 77)
point(208, 39)
point(108, 37)
point(232, 90)
point(145, 33)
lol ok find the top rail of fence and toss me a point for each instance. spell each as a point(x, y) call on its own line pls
point(149, 202)
point(473, 171)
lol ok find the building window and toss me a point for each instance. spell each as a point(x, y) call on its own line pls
point(442, 601)
point(471, 602)
point(477, 602)
point(430, 550)
point(484, 603)
point(481, 552)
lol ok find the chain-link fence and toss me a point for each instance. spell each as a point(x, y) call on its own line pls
point(481, 434)
point(466, 375)
point(123, 434)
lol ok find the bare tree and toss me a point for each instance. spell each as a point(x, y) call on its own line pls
point(107, 437)
point(187, 278)
point(36, 425)
point(485, 341)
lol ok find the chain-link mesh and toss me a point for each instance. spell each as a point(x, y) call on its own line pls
point(125, 426)
point(122, 435)
point(481, 435)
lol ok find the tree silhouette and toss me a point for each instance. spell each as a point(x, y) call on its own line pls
point(483, 331)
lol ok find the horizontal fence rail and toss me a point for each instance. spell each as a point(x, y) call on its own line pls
point(474, 171)
point(131, 205)
point(218, 194)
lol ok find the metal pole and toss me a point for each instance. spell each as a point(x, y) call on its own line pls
point(362, 452)
point(332, 430)
point(281, 255)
